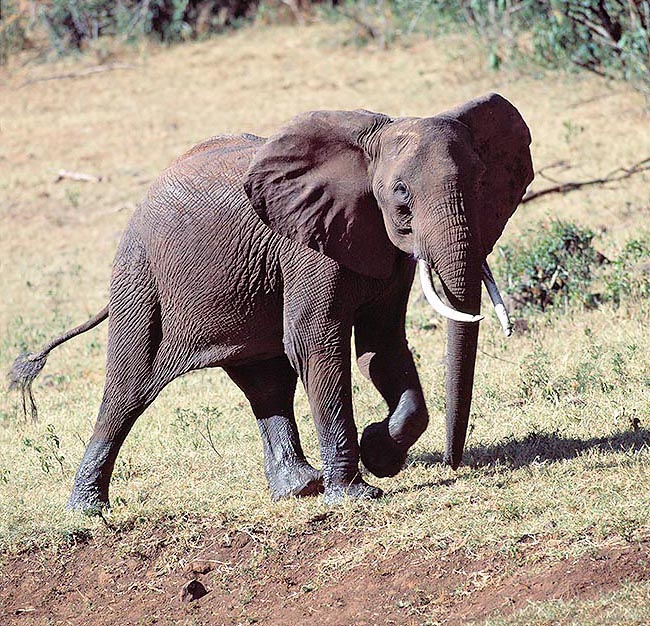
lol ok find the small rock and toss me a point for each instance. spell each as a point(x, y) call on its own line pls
point(201, 567)
point(240, 540)
point(104, 579)
point(23, 610)
point(521, 325)
point(193, 590)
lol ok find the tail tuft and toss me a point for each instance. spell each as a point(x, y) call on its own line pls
point(25, 369)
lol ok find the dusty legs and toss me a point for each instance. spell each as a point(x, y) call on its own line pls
point(134, 375)
point(269, 387)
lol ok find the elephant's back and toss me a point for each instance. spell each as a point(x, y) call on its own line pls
point(202, 188)
point(216, 164)
point(222, 145)
point(215, 264)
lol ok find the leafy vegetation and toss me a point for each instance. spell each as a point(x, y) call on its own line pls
point(557, 265)
point(629, 274)
point(69, 24)
point(608, 37)
point(391, 22)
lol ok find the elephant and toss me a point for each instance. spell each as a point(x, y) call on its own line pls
point(261, 256)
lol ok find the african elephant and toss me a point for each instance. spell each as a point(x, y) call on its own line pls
point(261, 255)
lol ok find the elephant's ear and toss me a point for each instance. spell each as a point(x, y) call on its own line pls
point(310, 182)
point(502, 141)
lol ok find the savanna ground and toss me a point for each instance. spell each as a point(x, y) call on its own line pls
point(546, 522)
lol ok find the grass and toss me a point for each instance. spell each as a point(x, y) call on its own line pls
point(552, 458)
point(630, 605)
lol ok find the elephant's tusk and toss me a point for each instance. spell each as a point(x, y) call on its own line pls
point(497, 300)
point(434, 299)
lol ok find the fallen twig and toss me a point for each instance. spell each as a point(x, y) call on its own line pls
point(370, 30)
point(86, 178)
point(620, 173)
point(87, 72)
point(561, 165)
point(602, 96)
point(498, 358)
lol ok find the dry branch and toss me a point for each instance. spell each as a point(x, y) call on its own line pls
point(368, 28)
point(80, 176)
point(620, 173)
point(97, 69)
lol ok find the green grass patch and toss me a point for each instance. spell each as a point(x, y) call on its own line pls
point(630, 606)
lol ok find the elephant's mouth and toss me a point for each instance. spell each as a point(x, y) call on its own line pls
point(449, 312)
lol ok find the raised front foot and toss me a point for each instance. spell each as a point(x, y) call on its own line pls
point(379, 453)
point(358, 489)
point(296, 480)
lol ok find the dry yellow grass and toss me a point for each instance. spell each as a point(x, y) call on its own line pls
point(566, 470)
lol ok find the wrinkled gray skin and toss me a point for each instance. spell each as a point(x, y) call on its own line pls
point(261, 255)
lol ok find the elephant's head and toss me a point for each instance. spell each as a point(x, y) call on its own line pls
point(358, 185)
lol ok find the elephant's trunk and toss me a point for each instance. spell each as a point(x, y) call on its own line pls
point(458, 264)
point(461, 357)
point(462, 339)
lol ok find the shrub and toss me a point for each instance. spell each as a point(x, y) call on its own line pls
point(388, 22)
point(13, 30)
point(558, 266)
point(608, 37)
point(555, 267)
point(629, 275)
point(70, 23)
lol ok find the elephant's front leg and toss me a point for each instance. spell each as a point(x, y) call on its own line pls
point(326, 376)
point(383, 356)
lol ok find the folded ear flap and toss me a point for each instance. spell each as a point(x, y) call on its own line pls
point(502, 141)
point(310, 182)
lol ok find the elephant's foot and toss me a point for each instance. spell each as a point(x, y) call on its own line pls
point(87, 499)
point(90, 492)
point(379, 453)
point(336, 492)
point(297, 480)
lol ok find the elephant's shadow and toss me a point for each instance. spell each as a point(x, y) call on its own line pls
point(539, 447)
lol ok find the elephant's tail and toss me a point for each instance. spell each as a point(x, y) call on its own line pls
point(28, 366)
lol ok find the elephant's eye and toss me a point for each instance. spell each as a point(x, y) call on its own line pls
point(401, 191)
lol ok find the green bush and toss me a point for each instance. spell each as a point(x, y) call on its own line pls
point(68, 24)
point(13, 30)
point(387, 22)
point(629, 275)
point(608, 37)
point(555, 267)
point(71, 22)
point(558, 265)
point(390, 22)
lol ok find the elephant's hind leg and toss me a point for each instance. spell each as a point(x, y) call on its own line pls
point(133, 380)
point(270, 387)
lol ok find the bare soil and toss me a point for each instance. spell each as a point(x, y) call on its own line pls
point(249, 580)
